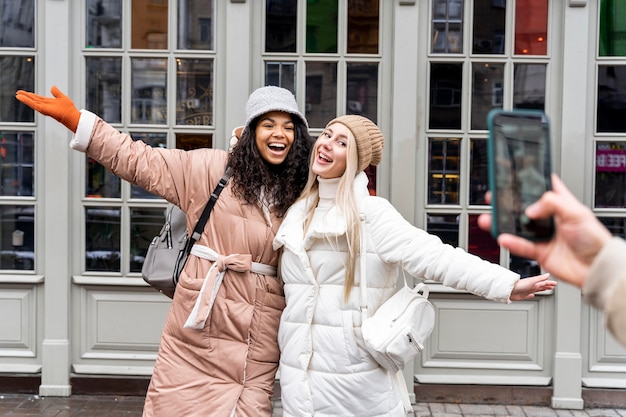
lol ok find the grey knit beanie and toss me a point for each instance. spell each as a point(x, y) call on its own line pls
point(369, 138)
point(271, 98)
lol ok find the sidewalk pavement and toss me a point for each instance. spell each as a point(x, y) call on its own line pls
point(24, 405)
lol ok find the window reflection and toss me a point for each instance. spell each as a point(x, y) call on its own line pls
point(531, 27)
point(17, 237)
point(446, 86)
point(17, 164)
point(616, 225)
point(101, 183)
point(529, 86)
point(104, 24)
point(362, 92)
point(487, 91)
point(489, 27)
point(446, 226)
point(447, 26)
point(481, 243)
point(321, 93)
point(17, 19)
point(443, 171)
point(104, 87)
point(281, 74)
point(321, 26)
point(195, 23)
point(149, 24)
point(17, 72)
point(194, 92)
point(363, 26)
point(149, 88)
point(281, 18)
point(612, 28)
point(156, 140)
point(524, 267)
point(102, 239)
point(145, 223)
point(611, 98)
point(189, 141)
point(479, 181)
point(610, 175)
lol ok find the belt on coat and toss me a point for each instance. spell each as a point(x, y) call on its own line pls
point(213, 280)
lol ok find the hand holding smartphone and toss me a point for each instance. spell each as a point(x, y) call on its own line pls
point(520, 164)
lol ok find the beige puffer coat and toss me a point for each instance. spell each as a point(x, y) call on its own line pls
point(228, 367)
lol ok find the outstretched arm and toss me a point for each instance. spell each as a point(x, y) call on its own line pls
point(59, 107)
point(578, 240)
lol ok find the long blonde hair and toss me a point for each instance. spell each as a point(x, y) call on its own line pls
point(347, 205)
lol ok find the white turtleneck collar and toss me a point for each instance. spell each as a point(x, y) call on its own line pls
point(327, 188)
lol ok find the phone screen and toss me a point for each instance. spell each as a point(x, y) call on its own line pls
point(519, 167)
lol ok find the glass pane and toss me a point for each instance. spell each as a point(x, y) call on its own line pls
point(362, 91)
point(104, 24)
point(616, 225)
point(446, 86)
point(145, 223)
point(443, 171)
point(524, 267)
point(610, 174)
point(611, 98)
point(447, 26)
point(189, 141)
point(17, 22)
point(104, 87)
point(156, 140)
point(489, 27)
point(281, 74)
point(487, 82)
point(612, 28)
point(529, 86)
point(102, 239)
point(479, 174)
point(149, 24)
point(321, 93)
point(195, 24)
point(17, 164)
point(281, 17)
point(446, 226)
point(17, 72)
point(17, 238)
point(101, 183)
point(194, 92)
point(481, 243)
point(321, 26)
point(149, 86)
point(531, 27)
point(363, 26)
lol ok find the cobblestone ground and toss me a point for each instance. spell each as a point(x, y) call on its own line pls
point(15, 405)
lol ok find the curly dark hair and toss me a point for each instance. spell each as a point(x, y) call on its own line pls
point(282, 184)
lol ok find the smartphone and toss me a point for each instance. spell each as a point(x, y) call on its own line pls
point(520, 164)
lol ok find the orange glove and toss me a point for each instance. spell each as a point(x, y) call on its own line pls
point(60, 108)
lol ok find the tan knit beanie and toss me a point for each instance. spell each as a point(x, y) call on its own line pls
point(369, 138)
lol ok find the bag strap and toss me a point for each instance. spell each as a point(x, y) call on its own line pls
point(398, 377)
point(204, 217)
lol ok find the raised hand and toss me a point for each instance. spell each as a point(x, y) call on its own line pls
point(60, 107)
point(527, 287)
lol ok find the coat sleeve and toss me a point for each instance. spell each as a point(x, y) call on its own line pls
point(605, 287)
point(175, 175)
point(425, 256)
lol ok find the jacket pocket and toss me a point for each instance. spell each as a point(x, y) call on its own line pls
point(268, 306)
point(352, 349)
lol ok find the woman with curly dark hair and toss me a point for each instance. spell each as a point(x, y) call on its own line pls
point(218, 354)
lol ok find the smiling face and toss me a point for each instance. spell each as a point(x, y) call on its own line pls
point(331, 151)
point(275, 133)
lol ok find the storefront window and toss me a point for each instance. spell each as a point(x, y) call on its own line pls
point(281, 74)
point(145, 223)
point(194, 92)
point(531, 27)
point(156, 140)
point(104, 24)
point(17, 72)
point(488, 29)
point(149, 24)
point(443, 171)
point(281, 19)
point(149, 90)
point(189, 141)
point(17, 237)
point(17, 24)
point(321, 93)
point(363, 26)
point(362, 92)
point(447, 26)
point(17, 164)
point(481, 243)
point(612, 41)
point(104, 87)
point(101, 183)
point(611, 90)
point(102, 239)
point(321, 27)
point(487, 82)
point(444, 226)
point(479, 179)
point(195, 21)
point(529, 86)
point(610, 175)
point(446, 86)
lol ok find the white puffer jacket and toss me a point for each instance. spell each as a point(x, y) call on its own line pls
point(324, 367)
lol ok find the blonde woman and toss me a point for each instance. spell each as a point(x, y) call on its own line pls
point(324, 367)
